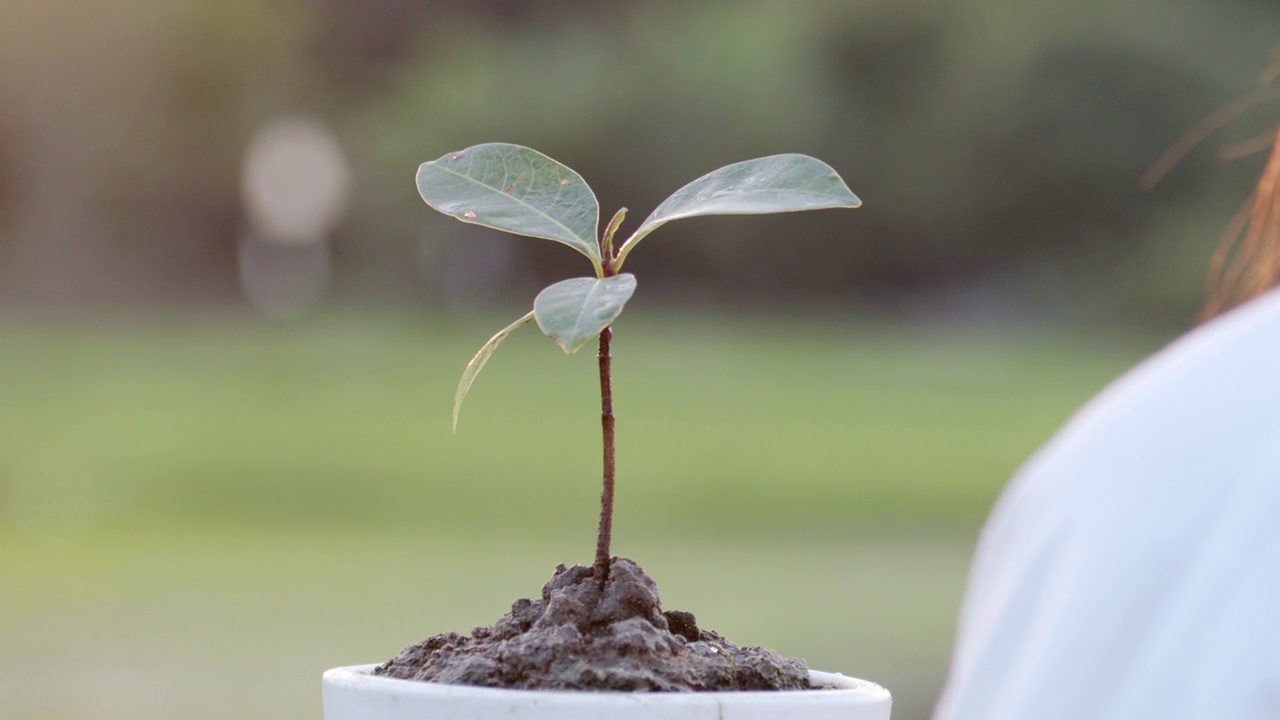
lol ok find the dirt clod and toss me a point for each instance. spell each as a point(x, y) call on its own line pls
point(579, 637)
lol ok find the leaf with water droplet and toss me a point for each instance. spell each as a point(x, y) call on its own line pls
point(516, 189)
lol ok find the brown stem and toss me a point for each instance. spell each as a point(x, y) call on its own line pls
point(605, 533)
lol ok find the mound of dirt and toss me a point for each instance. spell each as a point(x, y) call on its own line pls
point(580, 637)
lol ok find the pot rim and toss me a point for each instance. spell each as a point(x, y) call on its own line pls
point(836, 687)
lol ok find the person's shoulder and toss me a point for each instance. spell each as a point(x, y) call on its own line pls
point(1214, 354)
point(1216, 381)
point(1139, 547)
point(1174, 431)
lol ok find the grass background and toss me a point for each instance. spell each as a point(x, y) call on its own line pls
point(198, 514)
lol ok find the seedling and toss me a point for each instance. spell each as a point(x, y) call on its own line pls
point(522, 191)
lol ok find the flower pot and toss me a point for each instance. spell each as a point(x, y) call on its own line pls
point(354, 693)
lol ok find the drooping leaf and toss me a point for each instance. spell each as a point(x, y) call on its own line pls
point(477, 364)
point(516, 189)
point(774, 184)
point(571, 312)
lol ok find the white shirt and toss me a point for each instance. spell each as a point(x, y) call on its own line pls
point(1131, 570)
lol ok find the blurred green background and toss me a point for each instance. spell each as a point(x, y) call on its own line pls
point(225, 458)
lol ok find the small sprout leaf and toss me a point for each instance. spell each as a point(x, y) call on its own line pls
point(571, 312)
point(774, 184)
point(477, 363)
point(606, 240)
point(516, 189)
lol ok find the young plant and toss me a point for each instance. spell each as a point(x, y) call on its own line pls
point(522, 191)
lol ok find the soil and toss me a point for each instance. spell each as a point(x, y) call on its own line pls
point(580, 637)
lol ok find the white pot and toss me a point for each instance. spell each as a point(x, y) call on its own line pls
point(354, 693)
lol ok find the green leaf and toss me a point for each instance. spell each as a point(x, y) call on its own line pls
point(477, 364)
point(774, 184)
point(514, 188)
point(571, 312)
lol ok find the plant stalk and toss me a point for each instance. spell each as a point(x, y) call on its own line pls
point(605, 532)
